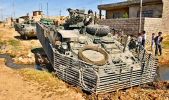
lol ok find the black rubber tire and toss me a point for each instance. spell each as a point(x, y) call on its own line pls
point(22, 36)
point(98, 30)
point(25, 37)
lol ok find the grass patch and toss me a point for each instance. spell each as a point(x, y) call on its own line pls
point(2, 43)
point(14, 43)
point(166, 44)
point(50, 85)
point(47, 81)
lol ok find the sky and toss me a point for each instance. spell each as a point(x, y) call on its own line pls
point(22, 7)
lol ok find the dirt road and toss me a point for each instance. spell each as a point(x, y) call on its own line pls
point(12, 87)
point(21, 85)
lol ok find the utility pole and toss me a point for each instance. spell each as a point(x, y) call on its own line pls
point(141, 9)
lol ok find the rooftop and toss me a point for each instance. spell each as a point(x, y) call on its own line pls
point(127, 4)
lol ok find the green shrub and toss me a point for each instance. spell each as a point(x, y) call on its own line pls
point(125, 15)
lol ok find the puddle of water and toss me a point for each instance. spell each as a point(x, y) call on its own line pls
point(164, 73)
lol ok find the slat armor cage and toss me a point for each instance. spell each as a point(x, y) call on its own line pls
point(98, 79)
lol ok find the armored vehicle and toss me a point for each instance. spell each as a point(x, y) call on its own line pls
point(89, 56)
point(26, 29)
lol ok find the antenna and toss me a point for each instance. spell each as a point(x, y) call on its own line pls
point(47, 10)
point(13, 7)
point(1, 13)
point(41, 7)
point(60, 13)
point(101, 1)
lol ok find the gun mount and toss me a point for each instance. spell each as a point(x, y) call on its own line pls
point(78, 18)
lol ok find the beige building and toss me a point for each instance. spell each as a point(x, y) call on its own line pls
point(37, 15)
point(155, 14)
point(131, 9)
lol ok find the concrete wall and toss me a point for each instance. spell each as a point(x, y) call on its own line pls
point(131, 25)
point(157, 10)
point(165, 17)
point(152, 25)
point(127, 25)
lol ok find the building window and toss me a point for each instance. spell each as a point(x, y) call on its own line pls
point(147, 13)
point(116, 15)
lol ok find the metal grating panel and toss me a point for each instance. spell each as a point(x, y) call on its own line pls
point(99, 79)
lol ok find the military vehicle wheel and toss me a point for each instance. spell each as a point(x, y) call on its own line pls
point(22, 36)
point(26, 37)
point(98, 30)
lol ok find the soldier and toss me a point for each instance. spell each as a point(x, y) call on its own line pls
point(143, 38)
point(71, 11)
point(152, 41)
point(139, 41)
point(158, 40)
point(132, 43)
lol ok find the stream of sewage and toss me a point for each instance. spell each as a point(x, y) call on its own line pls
point(164, 73)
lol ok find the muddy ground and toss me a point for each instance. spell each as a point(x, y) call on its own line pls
point(30, 84)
